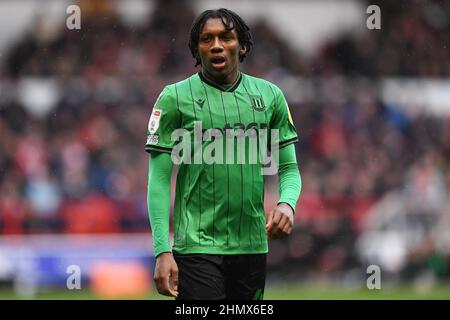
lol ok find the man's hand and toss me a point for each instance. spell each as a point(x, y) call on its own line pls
point(279, 221)
point(166, 268)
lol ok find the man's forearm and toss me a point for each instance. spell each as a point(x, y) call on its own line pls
point(289, 179)
point(158, 200)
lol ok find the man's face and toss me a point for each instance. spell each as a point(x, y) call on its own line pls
point(219, 50)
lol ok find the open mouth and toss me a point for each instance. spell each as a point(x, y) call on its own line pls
point(218, 61)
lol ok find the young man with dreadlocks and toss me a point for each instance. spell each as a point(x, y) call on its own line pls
point(221, 230)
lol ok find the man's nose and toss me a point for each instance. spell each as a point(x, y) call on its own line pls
point(216, 45)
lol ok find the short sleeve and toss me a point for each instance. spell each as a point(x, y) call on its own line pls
point(164, 119)
point(282, 120)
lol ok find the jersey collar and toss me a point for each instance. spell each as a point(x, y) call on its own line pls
point(217, 86)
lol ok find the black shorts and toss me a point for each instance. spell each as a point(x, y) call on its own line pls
point(216, 277)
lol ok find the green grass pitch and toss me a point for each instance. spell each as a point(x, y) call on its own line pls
point(273, 292)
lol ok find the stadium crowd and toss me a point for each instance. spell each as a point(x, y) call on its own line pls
point(81, 167)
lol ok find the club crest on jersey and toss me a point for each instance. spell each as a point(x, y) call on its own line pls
point(153, 124)
point(257, 103)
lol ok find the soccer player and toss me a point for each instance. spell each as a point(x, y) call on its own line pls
point(220, 227)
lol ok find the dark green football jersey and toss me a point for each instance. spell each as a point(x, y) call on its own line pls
point(219, 206)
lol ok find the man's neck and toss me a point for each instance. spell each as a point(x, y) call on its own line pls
point(222, 84)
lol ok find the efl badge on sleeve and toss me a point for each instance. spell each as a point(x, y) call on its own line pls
point(153, 124)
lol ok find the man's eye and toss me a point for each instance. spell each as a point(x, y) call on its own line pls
point(205, 39)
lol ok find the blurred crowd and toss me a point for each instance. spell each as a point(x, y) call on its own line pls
point(81, 167)
point(412, 42)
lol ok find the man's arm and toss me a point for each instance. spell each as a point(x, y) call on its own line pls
point(158, 201)
point(289, 179)
point(280, 220)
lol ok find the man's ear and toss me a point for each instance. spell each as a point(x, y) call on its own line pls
point(242, 50)
point(197, 59)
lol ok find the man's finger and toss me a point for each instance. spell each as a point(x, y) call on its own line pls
point(162, 285)
point(275, 220)
point(175, 280)
point(159, 282)
point(169, 292)
point(283, 222)
point(269, 219)
point(278, 234)
point(290, 229)
point(287, 228)
point(283, 229)
point(172, 293)
point(273, 231)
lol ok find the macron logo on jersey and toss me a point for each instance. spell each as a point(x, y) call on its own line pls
point(200, 102)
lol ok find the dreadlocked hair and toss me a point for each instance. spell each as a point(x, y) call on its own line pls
point(230, 20)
